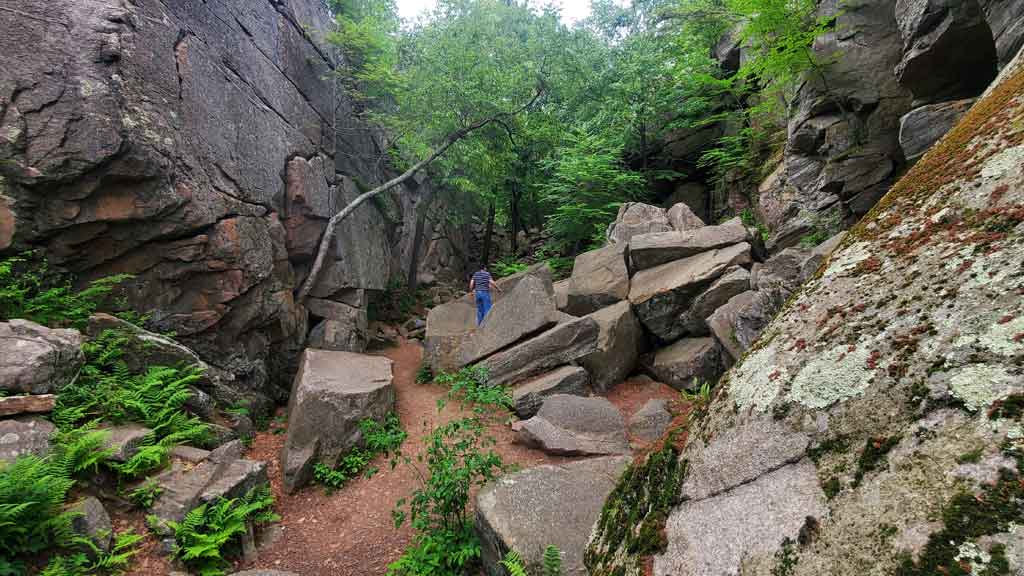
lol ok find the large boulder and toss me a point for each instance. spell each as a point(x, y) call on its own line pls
point(449, 324)
point(529, 396)
point(923, 126)
point(735, 280)
point(682, 218)
point(599, 278)
point(332, 392)
point(573, 425)
point(549, 505)
point(936, 64)
point(25, 435)
point(619, 344)
point(37, 359)
point(875, 427)
point(344, 327)
point(636, 218)
point(651, 421)
point(741, 320)
point(147, 348)
point(92, 522)
point(780, 275)
point(559, 345)
point(650, 250)
point(660, 294)
point(561, 289)
point(528, 308)
point(688, 363)
point(126, 440)
point(1006, 19)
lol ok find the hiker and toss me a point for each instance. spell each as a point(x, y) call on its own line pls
point(481, 283)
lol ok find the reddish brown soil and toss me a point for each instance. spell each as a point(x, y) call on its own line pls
point(350, 532)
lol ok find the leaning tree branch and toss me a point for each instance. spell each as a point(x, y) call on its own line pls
point(332, 224)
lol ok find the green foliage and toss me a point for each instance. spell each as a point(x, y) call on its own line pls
point(507, 267)
point(30, 290)
point(384, 437)
point(96, 561)
point(701, 397)
point(210, 532)
point(32, 513)
point(107, 390)
point(552, 563)
point(145, 494)
point(751, 221)
point(469, 387)
point(813, 239)
point(424, 375)
point(458, 457)
point(874, 454)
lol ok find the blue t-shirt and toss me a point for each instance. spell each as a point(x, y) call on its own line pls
point(482, 281)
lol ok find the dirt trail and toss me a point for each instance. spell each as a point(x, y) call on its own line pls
point(350, 532)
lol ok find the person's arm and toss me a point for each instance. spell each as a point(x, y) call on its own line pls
point(472, 282)
point(495, 287)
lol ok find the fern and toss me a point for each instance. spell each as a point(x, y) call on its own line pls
point(32, 513)
point(552, 561)
point(80, 564)
point(513, 562)
point(203, 539)
point(146, 494)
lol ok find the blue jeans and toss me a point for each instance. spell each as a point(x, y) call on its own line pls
point(483, 305)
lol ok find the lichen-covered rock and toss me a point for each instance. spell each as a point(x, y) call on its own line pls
point(877, 424)
point(37, 359)
point(619, 343)
point(332, 393)
point(549, 505)
point(25, 435)
point(659, 295)
point(637, 218)
point(599, 278)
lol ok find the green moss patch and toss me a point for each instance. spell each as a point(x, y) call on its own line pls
point(632, 522)
point(1011, 407)
point(875, 452)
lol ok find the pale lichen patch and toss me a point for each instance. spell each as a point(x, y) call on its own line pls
point(757, 381)
point(1000, 338)
point(848, 260)
point(832, 377)
point(979, 385)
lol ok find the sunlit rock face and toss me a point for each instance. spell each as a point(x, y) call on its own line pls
point(876, 425)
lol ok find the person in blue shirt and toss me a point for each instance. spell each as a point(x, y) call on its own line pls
point(481, 284)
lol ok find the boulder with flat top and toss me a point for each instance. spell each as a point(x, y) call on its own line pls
point(529, 396)
point(528, 308)
point(36, 359)
point(619, 344)
point(573, 425)
point(650, 250)
point(555, 347)
point(599, 278)
point(332, 392)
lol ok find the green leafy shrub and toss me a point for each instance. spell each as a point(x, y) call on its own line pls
point(385, 437)
point(145, 494)
point(552, 564)
point(211, 532)
point(424, 375)
point(507, 267)
point(30, 290)
point(32, 513)
point(458, 457)
point(470, 388)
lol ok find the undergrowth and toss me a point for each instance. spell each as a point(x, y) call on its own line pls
point(384, 437)
point(551, 564)
point(212, 532)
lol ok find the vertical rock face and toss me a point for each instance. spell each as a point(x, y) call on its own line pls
point(876, 425)
point(193, 144)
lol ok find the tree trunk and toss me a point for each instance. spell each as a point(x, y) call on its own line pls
point(514, 217)
point(328, 237)
point(485, 257)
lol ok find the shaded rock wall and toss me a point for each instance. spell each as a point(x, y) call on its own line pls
point(876, 426)
point(192, 144)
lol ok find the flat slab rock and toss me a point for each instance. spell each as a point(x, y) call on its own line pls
point(25, 435)
point(688, 363)
point(529, 396)
point(332, 392)
point(555, 347)
point(547, 505)
point(618, 346)
point(599, 278)
point(526, 309)
point(126, 440)
point(574, 425)
point(27, 404)
point(650, 250)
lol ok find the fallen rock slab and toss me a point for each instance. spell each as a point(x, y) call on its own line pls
point(599, 278)
point(619, 344)
point(332, 392)
point(25, 435)
point(682, 218)
point(924, 126)
point(636, 218)
point(529, 396)
point(651, 421)
point(558, 346)
point(735, 280)
point(147, 348)
point(688, 363)
point(661, 294)
point(37, 359)
point(526, 309)
point(574, 425)
point(650, 250)
point(738, 324)
point(28, 404)
point(548, 505)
